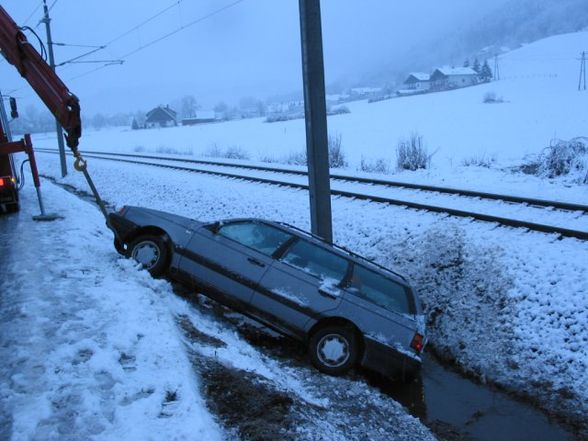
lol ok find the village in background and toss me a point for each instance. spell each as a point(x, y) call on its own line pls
point(188, 111)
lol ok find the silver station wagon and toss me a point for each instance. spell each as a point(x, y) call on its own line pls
point(349, 311)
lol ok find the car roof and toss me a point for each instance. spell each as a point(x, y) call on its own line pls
point(342, 251)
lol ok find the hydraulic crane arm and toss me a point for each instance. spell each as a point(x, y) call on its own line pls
point(53, 92)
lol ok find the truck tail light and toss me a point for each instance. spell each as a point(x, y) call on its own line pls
point(418, 342)
point(2, 182)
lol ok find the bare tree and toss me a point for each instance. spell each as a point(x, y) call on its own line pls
point(189, 106)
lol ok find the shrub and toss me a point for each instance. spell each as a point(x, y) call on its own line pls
point(481, 160)
point(412, 154)
point(236, 152)
point(336, 154)
point(561, 158)
point(378, 166)
point(139, 149)
point(297, 158)
point(172, 151)
point(213, 151)
point(492, 98)
point(339, 110)
point(268, 159)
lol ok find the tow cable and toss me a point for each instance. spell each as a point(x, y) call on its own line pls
point(81, 165)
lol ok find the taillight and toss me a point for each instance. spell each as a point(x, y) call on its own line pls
point(418, 342)
point(7, 181)
point(122, 210)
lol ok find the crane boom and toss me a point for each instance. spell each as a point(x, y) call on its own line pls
point(63, 104)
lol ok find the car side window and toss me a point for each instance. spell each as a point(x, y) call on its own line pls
point(380, 290)
point(256, 235)
point(316, 261)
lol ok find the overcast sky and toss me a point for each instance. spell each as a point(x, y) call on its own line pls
point(251, 48)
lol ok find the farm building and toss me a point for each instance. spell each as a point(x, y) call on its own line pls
point(201, 117)
point(453, 78)
point(418, 81)
point(161, 117)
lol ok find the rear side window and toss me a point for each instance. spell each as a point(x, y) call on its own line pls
point(382, 291)
point(260, 237)
point(316, 261)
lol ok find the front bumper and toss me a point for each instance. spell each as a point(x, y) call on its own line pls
point(388, 361)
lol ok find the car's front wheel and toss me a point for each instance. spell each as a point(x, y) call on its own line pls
point(333, 349)
point(152, 252)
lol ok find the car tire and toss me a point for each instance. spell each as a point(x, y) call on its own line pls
point(152, 252)
point(119, 247)
point(333, 349)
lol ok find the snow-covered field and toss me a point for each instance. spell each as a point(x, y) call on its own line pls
point(541, 102)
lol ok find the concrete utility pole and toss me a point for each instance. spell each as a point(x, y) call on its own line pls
point(315, 109)
point(582, 72)
point(496, 68)
point(58, 128)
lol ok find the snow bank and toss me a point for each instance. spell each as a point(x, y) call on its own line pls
point(88, 346)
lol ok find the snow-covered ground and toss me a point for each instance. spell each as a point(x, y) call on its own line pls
point(505, 304)
point(91, 347)
point(88, 344)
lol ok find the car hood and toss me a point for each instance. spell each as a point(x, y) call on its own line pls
point(146, 214)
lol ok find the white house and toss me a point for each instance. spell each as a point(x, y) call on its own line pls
point(418, 81)
point(453, 77)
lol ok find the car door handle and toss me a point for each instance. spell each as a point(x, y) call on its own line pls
point(254, 261)
point(323, 292)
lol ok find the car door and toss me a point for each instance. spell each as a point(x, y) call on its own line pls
point(303, 284)
point(229, 259)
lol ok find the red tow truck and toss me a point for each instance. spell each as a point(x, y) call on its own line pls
point(65, 106)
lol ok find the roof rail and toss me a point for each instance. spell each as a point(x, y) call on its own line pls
point(346, 250)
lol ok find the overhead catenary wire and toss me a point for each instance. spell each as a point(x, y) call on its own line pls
point(32, 13)
point(160, 38)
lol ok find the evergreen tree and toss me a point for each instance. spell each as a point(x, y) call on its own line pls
point(134, 125)
point(477, 66)
point(466, 63)
point(486, 73)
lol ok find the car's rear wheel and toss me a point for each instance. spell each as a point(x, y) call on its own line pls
point(152, 252)
point(333, 349)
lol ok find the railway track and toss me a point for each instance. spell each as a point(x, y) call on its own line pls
point(375, 190)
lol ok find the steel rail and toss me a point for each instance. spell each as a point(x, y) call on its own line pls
point(550, 229)
point(570, 206)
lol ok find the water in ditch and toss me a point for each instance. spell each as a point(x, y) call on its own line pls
point(457, 408)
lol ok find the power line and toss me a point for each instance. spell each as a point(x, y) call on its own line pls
point(163, 37)
point(32, 13)
point(181, 28)
point(53, 4)
point(143, 23)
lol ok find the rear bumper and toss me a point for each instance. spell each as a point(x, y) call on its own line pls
point(388, 361)
point(122, 227)
point(8, 195)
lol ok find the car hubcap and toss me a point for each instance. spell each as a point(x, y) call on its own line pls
point(333, 350)
point(146, 253)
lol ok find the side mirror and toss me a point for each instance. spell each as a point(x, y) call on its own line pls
point(13, 108)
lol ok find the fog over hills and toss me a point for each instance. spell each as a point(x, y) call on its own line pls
point(509, 26)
